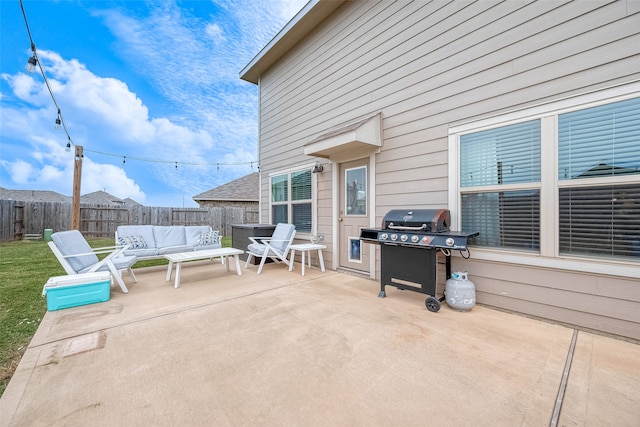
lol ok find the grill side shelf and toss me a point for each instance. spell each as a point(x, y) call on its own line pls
point(369, 235)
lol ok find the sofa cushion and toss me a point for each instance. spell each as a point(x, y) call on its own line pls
point(281, 236)
point(120, 263)
point(169, 235)
point(205, 247)
point(72, 242)
point(192, 233)
point(149, 252)
point(144, 231)
point(257, 248)
point(134, 242)
point(174, 249)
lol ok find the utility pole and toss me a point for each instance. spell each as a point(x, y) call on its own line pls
point(77, 178)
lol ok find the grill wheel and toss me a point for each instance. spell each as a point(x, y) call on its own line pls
point(432, 304)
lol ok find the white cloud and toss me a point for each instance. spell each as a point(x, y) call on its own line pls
point(102, 115)
point(215, 32)
point(111, 179)
point(21, 171)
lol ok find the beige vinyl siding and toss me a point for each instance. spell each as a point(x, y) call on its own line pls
point(429, 65)
point(594, 301)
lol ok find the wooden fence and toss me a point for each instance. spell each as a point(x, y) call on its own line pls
point(22, 218)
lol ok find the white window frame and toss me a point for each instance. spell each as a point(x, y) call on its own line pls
point(549, 256)
point(289, 203)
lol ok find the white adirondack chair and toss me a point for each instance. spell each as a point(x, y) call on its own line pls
point(275, 247)
point(76, 256)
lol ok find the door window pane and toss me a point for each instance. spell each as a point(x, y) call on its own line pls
point(356, 191)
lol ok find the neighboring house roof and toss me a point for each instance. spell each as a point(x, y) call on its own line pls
point(130, 202)
point(604, 169)
point(101, 198)
point(33, 196)
point(245, 189)
point(312, 14)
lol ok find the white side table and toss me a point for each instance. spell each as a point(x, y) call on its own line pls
point(304, 248)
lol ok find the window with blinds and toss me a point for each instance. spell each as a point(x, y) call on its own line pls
point(598, 151)
point(594, 156)
point(291, 200)
point(301, 200)
point(500, 180)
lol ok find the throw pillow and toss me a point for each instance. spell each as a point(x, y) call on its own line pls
point(209, 238)
point(134, 242)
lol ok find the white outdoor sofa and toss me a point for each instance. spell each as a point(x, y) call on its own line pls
point(155, 241)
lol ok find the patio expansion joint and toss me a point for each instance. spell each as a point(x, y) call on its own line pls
point(565, 379)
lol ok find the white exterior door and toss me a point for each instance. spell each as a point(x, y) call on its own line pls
point(354, 214)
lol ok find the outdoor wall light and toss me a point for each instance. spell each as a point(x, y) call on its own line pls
point(317, 168)
point(31, 64)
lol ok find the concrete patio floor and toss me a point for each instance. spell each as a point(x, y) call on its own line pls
point(278, 349)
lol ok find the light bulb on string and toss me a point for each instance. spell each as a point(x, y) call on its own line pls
point(68, 147)
point(58, 121)
point(124, 160)
point(31, 64)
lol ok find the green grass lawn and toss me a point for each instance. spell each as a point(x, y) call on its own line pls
point(25, 266)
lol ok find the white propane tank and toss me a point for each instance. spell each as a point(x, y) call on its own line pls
point(460, 292)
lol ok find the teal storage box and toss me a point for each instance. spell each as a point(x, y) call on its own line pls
point(79, 289)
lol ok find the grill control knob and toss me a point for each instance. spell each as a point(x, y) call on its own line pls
point(450, 241)
point(404, 237)
point(394, 237)
point(384, 236)
point(415, 238)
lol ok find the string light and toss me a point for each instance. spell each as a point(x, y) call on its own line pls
point(31, 62)
point(31, 65)
point(58, 121)
point(173, 162)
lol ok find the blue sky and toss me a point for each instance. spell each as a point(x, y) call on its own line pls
point(150, 89)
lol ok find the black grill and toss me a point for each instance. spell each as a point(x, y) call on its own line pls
point(409, 241)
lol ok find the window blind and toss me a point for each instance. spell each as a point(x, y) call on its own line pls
point(505, 155)
point(508, 219)
point(602, 220)
point(279, 188)
point(600, 141)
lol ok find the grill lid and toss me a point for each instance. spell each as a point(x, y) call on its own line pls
point(424, 220)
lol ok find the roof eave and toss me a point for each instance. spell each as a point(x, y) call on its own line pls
point(312, 14)
point(216, 199)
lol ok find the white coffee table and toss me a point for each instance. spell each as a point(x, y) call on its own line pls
point(179, 258)
point(304, 248)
